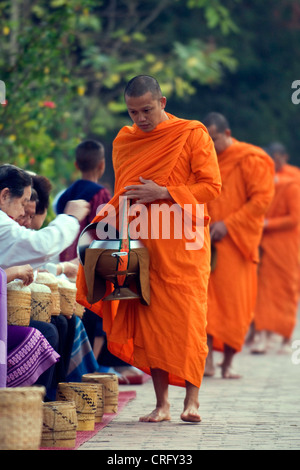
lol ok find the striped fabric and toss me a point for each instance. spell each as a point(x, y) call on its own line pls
point(3, 329)
point(82, 360)
point(29, 355)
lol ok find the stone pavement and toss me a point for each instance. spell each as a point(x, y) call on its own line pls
point(260, 411)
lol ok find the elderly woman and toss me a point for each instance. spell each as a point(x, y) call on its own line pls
point(19, 245)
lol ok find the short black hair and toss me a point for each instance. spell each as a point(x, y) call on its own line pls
point(218, 120)
point(89, 154)
point(15, 179)
point(34, 196)
point(43, 187)
point(142, 84)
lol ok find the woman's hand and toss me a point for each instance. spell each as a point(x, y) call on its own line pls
point(25, 273)
point(68, 268)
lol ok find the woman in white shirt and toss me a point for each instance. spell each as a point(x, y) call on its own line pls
point(19, 245)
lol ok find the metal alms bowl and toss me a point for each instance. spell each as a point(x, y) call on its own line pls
point(108, 260)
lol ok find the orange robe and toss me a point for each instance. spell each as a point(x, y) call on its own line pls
point(170, 333)
point(277, 300)
point(294, 172)
point(247, 189)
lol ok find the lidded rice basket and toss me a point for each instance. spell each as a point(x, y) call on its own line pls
point(67, 291)
point(21, 418)
point(40, 302)
point(85, 398)
point(111, 389)
point(59, 424)
point(18, 304)
point(52, 282)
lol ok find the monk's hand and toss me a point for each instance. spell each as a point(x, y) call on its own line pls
point(147, 192)
point(218, 231)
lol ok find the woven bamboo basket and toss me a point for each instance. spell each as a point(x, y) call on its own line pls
point(67, 300)
point(21, 418)
point(51, 281)
point(79, 310)
point(100, 402)
point(18, 304)
point(85, 398)
point(111, 389)
point(40, 302)
point(59, 424)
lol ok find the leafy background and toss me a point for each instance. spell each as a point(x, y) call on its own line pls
point(65, 64)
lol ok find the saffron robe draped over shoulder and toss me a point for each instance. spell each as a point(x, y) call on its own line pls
point(278, 280)
point(247, 189)
point(170, 333)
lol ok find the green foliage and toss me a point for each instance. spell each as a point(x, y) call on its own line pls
point(216, 14)
point(257, 97)
point(65, 64)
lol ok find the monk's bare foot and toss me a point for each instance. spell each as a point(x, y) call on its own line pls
point(229, 373)
point(157, 416)
point(191, 415)
point(190, 411)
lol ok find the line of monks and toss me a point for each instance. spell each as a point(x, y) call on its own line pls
point(257, 275)
point(255, 235)
point(253, 203)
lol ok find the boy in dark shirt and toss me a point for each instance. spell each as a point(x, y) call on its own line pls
point(90, 161)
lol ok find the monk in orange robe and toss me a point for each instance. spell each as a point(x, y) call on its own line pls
point(163, 159)
point(278, 286)
point(281, 158)
point(237, 218)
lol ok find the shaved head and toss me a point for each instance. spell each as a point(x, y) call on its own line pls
point(217, 120)
point(142, 84)
point(279, 153)
point(218, 128)
point(276, 148)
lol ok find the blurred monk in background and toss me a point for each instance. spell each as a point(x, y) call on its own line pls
point(163, 159)
point(278, 286)
point(281, 158)
point(237, 218)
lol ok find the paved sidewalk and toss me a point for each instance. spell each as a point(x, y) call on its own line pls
point(259, 411)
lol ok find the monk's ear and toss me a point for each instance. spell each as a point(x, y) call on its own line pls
point(163, 102)
point(228, 133)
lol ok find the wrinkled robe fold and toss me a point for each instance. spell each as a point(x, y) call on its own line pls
point(170, 333)
point(278, 280)
point(247, 189)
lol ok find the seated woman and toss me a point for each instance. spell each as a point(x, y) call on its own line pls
point(28, 246)
point(29, 357)
point(21, 246)
point(76, 354)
